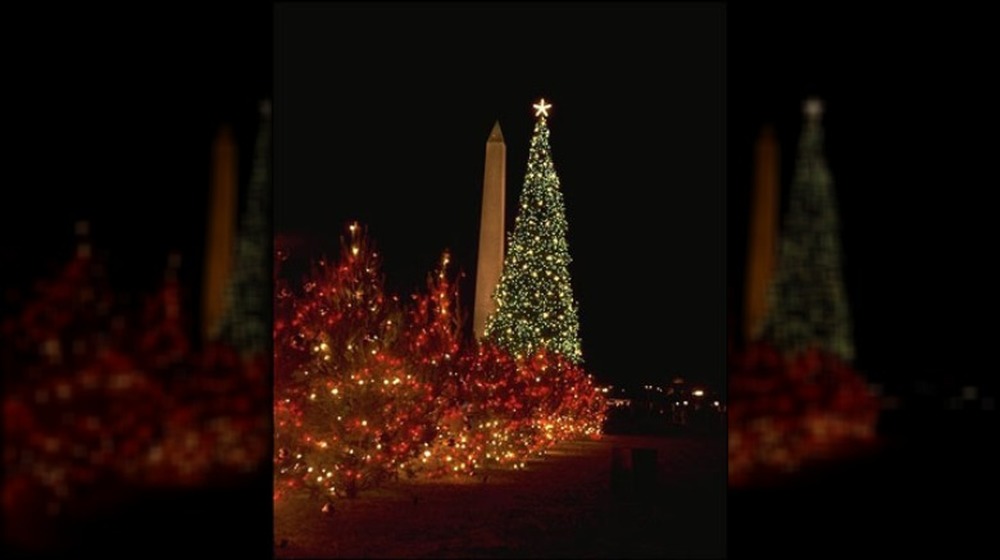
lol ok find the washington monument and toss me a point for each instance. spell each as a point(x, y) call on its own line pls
point(491, 229)
point(762, 249)
point(221, 233)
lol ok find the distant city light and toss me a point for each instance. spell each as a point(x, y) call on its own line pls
point(698, 393)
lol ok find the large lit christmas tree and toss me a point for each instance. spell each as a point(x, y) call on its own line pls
point(247, 321)
point(808, 300)
point(534, 299)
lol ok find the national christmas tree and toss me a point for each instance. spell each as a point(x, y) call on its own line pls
point(534, 299)
point(808, 300)
point(247, 321)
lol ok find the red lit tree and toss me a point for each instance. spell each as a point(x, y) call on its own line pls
point(164, 340)
point(567, 402)
point(434, 325)
point(349, 413)
point(67, 318)
point(478, 428)
point(104, 418)
point(290, 350)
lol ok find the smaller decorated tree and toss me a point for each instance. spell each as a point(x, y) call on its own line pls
point(68, 318)
point(164, 342)
point(567, 403)
point(434, 326)
point(119, 402)
point(349, 413)
point(481, 430)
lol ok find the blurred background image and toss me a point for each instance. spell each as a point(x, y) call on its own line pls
point(136, 295)
point(861, 403)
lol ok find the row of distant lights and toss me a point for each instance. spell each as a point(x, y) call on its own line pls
point(696, 393)
point(969, 394)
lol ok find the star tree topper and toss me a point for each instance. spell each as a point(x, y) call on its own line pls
point(542, 108)
point(813, 108)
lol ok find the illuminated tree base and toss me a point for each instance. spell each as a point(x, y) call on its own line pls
point(787, 415)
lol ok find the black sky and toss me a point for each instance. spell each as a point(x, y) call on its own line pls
point(382, 115)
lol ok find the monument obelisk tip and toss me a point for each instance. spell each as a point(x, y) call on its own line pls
point(496, 135)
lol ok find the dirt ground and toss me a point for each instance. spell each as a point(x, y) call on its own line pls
point(563, 505)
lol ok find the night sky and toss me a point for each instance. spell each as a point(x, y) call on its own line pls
point(909, 115)
point(382, 115)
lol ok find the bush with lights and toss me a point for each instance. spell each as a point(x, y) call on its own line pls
point(787, 412)
point(350, 411)
point(502, 411)
point(368, 389)
point(103, 398)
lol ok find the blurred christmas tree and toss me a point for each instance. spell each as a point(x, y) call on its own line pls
point(808, 306)
point(247, 320)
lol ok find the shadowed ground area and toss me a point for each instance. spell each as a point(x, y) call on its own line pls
point(564, 505)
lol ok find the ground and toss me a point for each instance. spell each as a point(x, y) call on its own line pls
point(562, 505)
